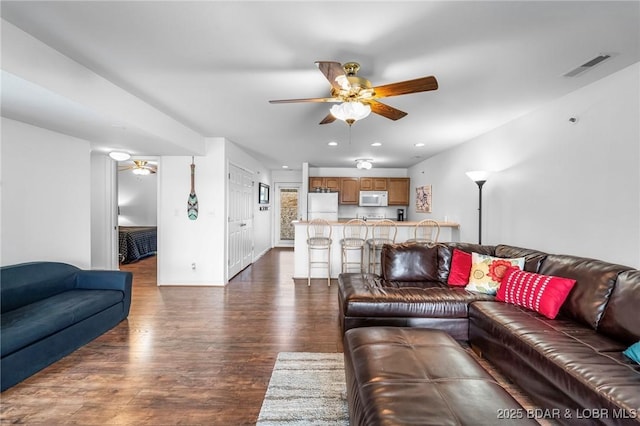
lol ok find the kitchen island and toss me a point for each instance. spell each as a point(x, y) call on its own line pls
point(449, 231)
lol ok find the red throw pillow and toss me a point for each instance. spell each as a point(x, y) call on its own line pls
point(460, 268)
point(541, 293)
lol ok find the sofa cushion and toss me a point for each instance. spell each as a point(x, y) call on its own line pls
point(28, 324)
point(532, 258)
point(561, 363)
point(595, 280)
point(364, 295)
point(409, 262)
point(473, 248)
point(460, 268)
point(541, 293)
point(27, 283)
point(620, 319)
point(487, 272)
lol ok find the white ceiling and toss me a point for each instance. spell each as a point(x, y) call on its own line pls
point(213, 65)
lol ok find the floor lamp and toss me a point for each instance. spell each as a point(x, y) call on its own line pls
point(479, 177)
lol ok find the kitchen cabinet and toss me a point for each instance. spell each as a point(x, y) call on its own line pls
point(373, 184)
point(332, 183)
point(398, 191)
point(349, 188)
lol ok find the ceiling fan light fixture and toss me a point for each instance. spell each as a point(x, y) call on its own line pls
point(350, 112)
point(364, 163)
point(141, 171)
point(343, 82)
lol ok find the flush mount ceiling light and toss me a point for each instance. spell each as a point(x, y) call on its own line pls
point(351, 111)
point(333, 143)
point(119, 156)
point(376, 144)
point(364, 163)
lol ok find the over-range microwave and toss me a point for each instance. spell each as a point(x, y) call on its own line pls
point(373, 199)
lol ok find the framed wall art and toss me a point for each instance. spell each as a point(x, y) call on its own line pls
point(263, 193)
point(423, 199)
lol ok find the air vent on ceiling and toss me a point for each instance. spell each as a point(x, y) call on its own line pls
point(587, 65)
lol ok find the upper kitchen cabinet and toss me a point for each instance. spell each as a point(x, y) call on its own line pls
point(331, 183)
point(398, 191)
point(373, 184)
point(349, 190)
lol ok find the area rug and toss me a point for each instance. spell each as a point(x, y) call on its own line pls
point(306, 388)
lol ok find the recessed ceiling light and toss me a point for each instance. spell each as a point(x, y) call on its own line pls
point(285, 167)
point(419, 144)
point(333, 143)
point(376, 144)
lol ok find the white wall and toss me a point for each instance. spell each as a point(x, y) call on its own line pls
point(46, 207)
point(286, 176)
point(137, 199)
point(558, 187)
point(181, 241)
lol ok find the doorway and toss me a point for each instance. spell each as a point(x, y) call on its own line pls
point(137, 208)
point(287, 208)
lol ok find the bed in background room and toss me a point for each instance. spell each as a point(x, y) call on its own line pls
point(136, 242)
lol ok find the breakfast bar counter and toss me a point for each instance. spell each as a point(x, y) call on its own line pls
point(449, 232)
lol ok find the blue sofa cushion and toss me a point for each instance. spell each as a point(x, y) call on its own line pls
point(28, 324)
point(27, 283)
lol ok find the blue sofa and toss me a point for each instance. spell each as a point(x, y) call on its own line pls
point(50, 309)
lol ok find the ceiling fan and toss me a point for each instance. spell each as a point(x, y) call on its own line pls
point(356, 97)
point(140, 167)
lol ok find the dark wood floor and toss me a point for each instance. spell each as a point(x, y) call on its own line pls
point(186, 355)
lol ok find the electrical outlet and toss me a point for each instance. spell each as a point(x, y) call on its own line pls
point(193, 266)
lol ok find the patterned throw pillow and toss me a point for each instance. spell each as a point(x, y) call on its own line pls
point(541, 293)
point(487, 272)
point(633, 352)
point(460, 268)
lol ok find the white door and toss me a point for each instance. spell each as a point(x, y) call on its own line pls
point(240, 218)
point(247, 219)
point(287, 206)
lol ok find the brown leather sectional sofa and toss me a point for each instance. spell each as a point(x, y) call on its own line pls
point(572, 366)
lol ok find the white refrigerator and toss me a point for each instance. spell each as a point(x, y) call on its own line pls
point(322, 205)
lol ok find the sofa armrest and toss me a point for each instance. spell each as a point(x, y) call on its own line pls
point(104, 280)
point(107, 280)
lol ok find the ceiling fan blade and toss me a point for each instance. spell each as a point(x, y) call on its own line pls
point(405, 87)
point(386, 110)
point(328, 119)
point(289, 101)
point(333, 70)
